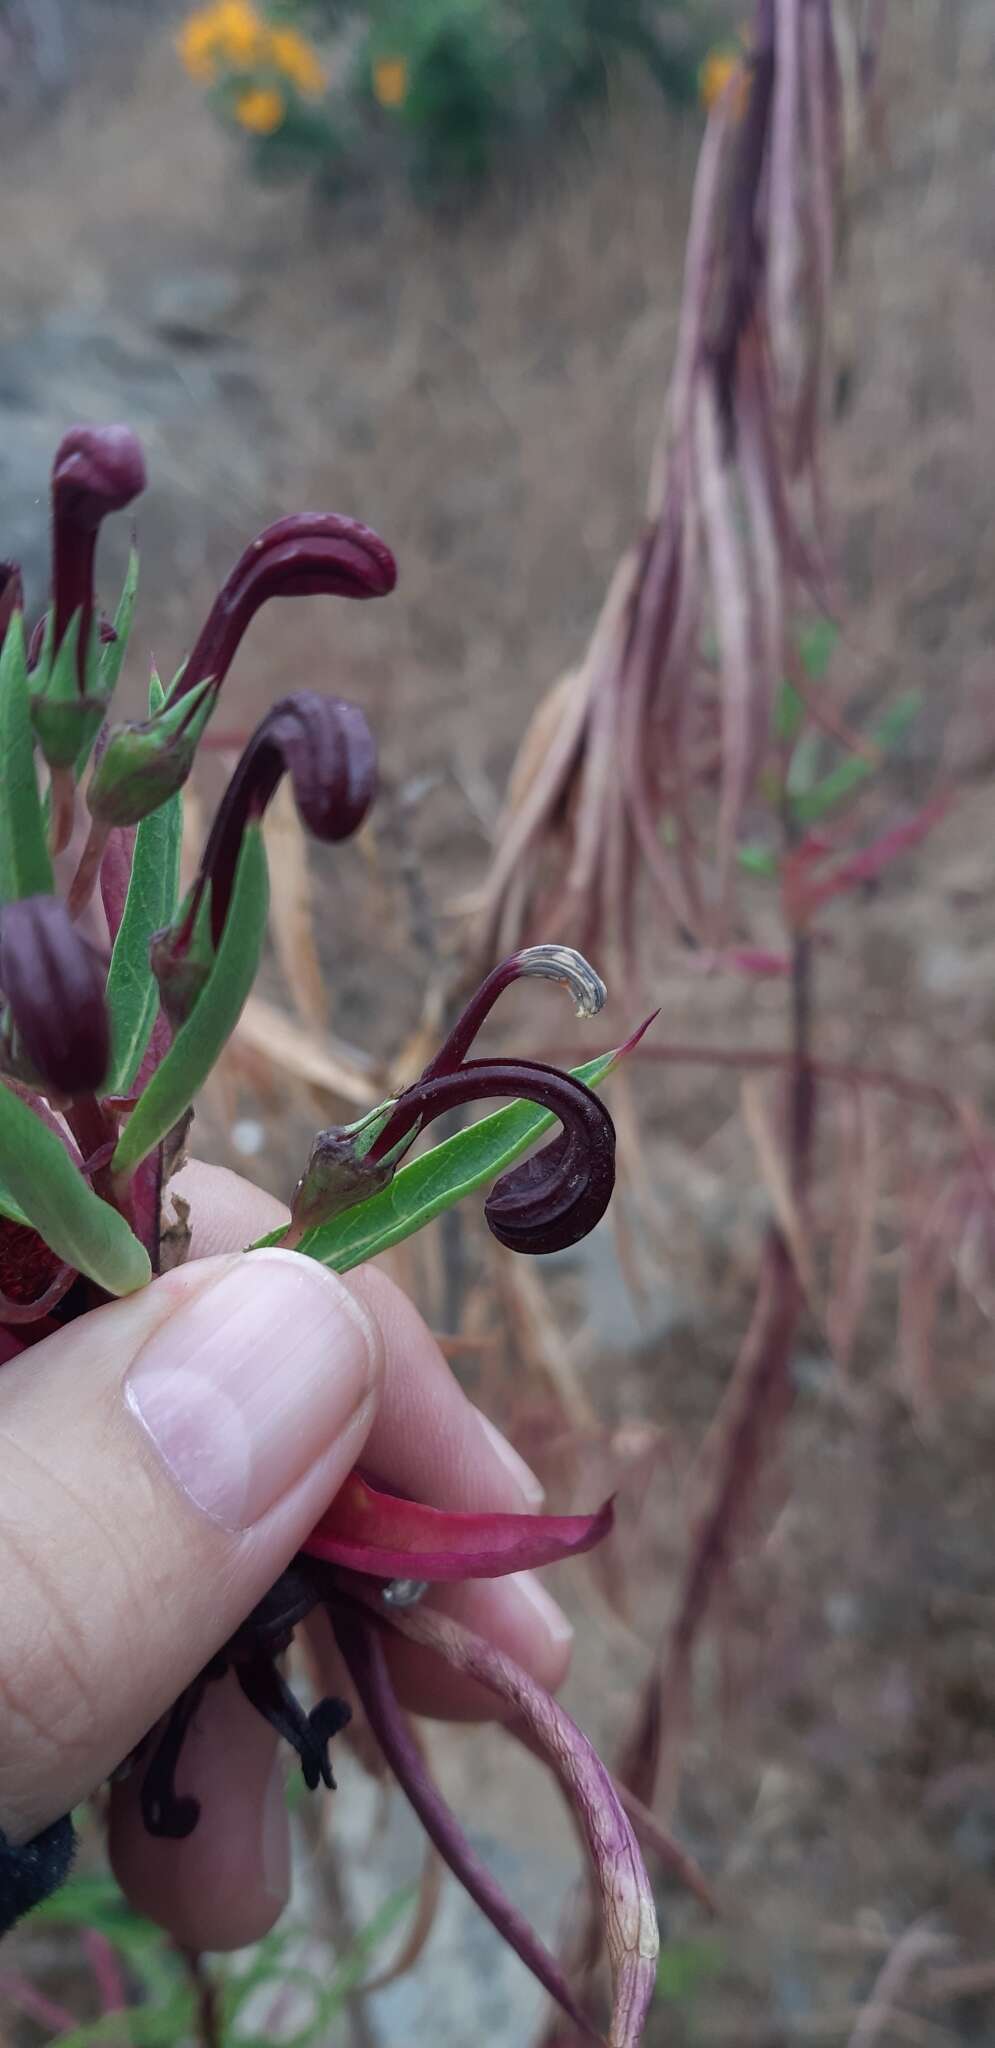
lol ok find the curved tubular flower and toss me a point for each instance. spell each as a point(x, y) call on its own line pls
point(327, 748)
point(367, 1530)
point(309, 554)
point(545, 963)
point(557, 1196)
point(97, 470)
point(53, 982)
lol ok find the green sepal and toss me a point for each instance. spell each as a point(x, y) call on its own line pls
point(182, 966)
point(339, 1174)
point(66, 720)
point(25, 865)
point(200, 1041)
point(144, 764)
point(436, 1181)
point(77, 1225)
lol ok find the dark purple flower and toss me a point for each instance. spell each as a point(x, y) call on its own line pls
point(543, 963)
point(327, 748)
point(97, 470)
point(310, 554)
point(558, 1195)
point(53, 983)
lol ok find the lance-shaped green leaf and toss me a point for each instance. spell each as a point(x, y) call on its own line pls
point(459, 1166)
point(203, 1037)
point(54, 1197)
point(113, 652)
point(811, 802)
point(9, 1208)
point(132, 989)
point(25, 867)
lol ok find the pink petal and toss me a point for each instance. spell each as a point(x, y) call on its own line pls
point(626, 1899)
point(362, 1648)
point(384, 1537)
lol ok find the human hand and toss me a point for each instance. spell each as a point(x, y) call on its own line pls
point(163, 1460)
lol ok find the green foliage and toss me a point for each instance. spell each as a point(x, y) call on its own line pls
point(808, 790)
point(132, 990)
point(165, 2011)
point(49, 1190)
point(25, 867)
point(447, 90)
point(202, 1039)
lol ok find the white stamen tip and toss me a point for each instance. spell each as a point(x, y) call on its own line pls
point(563, 964)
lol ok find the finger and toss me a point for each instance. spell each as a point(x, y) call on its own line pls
point(430, 1442)
point(163, 1458)
point(227, 1883)
point(226, 1212)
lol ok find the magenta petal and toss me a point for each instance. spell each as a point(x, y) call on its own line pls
point(626, 1899)
point(384, 1537)
point(362, 1648)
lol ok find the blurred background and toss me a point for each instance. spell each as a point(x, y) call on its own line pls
point(406, 265)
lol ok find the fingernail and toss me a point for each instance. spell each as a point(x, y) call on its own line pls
point(531, 1489)
point(252, 1381)
point(553, 1619)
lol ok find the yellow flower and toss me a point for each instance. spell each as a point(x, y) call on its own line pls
point(293, 55)
point(230, 32)
point(240, 31)
point(721, 66)
point(390, 81)
point(260, 109)
point(197, 44)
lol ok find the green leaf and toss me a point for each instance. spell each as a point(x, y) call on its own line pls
point(132, 989)
point(25, 867)
point(9, 1208)
point(203, 1037)
point(809, 805)
point(112, 655)
point(757, 860)
point(80, 1228)
point(816, 646)
point(457, 1167)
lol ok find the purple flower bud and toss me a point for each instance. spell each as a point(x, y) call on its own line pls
point(11, 595)
point(559, 1194)
point(97, 470)
point(307, 555)
point(53, 983)
point(327, 748)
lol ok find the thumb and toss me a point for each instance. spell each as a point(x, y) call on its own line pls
point(163, 1459)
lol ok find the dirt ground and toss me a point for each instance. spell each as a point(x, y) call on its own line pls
point(485, 393)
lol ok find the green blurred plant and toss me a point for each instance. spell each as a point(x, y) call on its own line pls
point(441, 86)
point(150, 1995)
